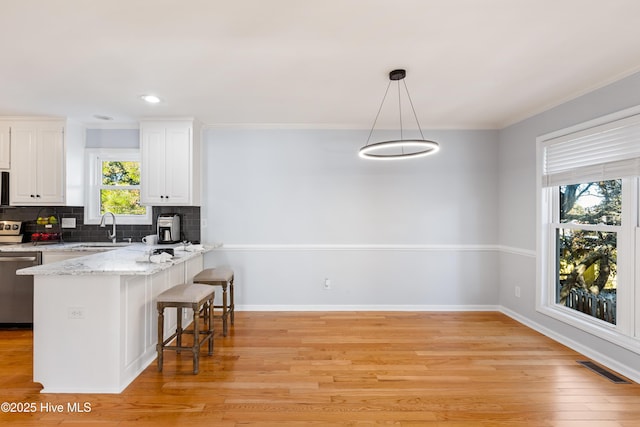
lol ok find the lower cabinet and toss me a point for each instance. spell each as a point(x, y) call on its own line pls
point(110, 321)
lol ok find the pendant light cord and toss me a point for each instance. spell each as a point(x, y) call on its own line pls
point(414, 110)
point(378, 115)
point(386, 92)
point(400, 111)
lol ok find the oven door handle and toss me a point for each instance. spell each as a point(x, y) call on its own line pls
point(17, 258)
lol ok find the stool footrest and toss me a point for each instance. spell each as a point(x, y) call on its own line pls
point(175, 347)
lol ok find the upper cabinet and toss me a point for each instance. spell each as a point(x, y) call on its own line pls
point(37, 164)
point(5, 153)
point(41, 153)
point(170, 163)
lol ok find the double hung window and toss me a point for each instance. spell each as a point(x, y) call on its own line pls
point(588, 228)
point(114, 186)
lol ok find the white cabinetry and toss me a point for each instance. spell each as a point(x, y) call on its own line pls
point(5, 159)
point(170, 166)
point(41, 153)
point(37, 160)
point(116, 330)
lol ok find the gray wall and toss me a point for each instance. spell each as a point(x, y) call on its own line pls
point(113, 138)
point(517, 213)
point(294, 207)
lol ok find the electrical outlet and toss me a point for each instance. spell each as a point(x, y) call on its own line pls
point(327, 284)
point(517, 291)
point(75, 312)
point(68, 223)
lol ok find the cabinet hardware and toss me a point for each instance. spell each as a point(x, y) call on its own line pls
point(17, 258)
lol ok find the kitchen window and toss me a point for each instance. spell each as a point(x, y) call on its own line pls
point(589, 234)
point(114, 186)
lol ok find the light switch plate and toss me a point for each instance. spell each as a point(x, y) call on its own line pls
point(68, 223)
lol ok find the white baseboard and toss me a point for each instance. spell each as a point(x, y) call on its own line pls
point(256, 307)
point(603, 359)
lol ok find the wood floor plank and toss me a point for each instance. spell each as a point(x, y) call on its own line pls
point(457, 369)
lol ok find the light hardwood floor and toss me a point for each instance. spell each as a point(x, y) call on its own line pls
point(347, 368)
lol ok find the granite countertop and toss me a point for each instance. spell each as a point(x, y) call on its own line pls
point(88, 247)
point(132, 259)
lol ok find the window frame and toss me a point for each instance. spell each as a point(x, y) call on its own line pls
point(626, 332)
point(94, 159)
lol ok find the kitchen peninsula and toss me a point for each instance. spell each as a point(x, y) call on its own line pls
point(95, 322)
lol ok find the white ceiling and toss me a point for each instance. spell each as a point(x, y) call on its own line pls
point(470, 63)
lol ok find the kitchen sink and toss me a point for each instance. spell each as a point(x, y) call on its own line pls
point(102, 244)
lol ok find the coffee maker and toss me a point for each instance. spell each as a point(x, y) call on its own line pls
point(169, 228)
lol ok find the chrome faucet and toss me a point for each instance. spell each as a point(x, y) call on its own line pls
point(111, 235)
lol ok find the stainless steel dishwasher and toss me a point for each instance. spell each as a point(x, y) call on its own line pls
point(16, 292)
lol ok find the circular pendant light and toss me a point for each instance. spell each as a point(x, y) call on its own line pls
point(398, 148)
point(401, 148)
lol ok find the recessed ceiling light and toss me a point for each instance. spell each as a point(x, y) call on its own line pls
point(151, 99)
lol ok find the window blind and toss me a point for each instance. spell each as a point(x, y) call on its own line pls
point(608, 151)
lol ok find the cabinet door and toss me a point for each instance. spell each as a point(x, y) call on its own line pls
point(160, 282)
point(24, 161)
point(37, 157)
point(50, 172)
point(153, 170)
point(178, 166)
point(193, 267)
point(167, 153)
point(5, 160)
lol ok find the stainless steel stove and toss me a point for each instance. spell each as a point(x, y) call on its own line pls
point(10, 232)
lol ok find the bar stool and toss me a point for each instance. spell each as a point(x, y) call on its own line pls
point(221, 276)
point(200, 299)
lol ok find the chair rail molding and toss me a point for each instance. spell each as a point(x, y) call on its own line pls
point(517, 251)
point(358, 247)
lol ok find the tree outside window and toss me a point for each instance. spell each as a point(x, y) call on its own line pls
point(120, 189)
point(587, 249)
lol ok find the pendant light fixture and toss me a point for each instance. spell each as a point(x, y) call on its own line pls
point(398, 148)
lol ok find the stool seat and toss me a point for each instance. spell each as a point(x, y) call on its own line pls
point(185, 294)
point(199, 298)
point(220, 276)
point(211, 276)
